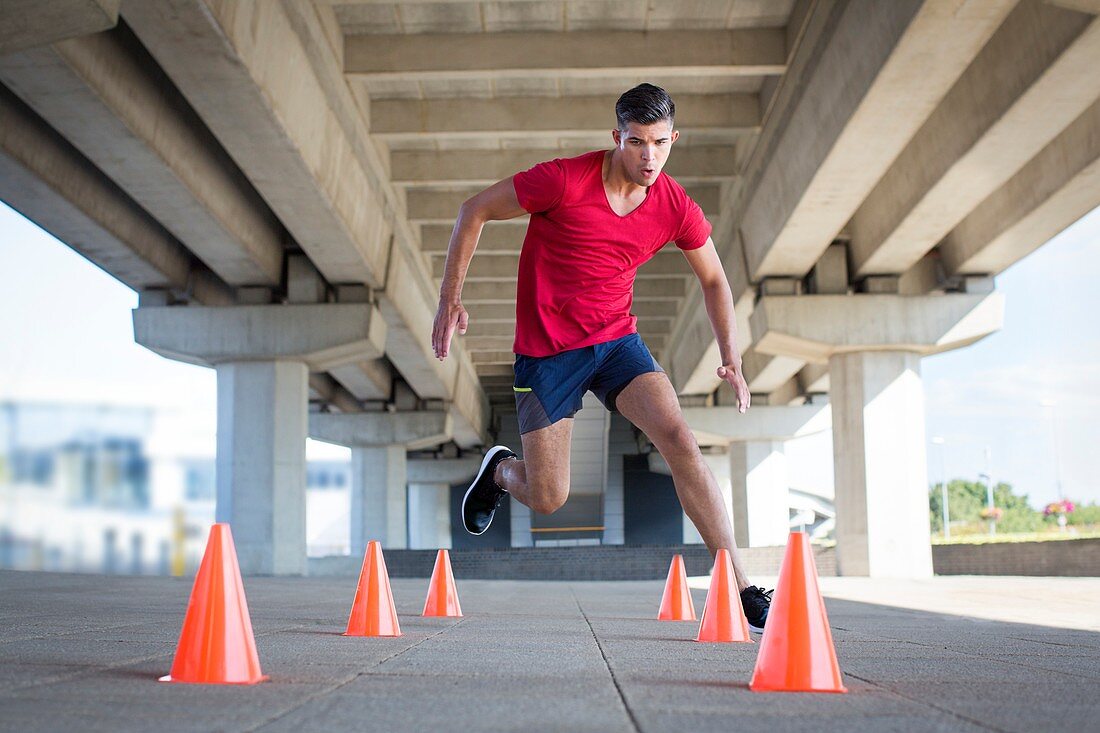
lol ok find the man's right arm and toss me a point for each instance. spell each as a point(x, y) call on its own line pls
point(496, 203)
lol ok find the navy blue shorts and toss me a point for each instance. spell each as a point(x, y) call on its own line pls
point(552, 387)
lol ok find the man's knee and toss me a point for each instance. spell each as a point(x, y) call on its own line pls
point(547, 496)
point(678, 438)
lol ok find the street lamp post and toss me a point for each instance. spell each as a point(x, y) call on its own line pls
point(943, 490)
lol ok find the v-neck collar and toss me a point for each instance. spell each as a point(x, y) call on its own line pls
point(603, 188)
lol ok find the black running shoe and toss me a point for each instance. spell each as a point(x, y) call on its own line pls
point(484, 495)
point(756, 602)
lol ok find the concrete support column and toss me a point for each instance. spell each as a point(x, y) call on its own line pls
point(880, 471)
point(261, 463)
point(379, 503)
point(761, 501)
point(263, 355)
point(429, 516)
point(521, 525)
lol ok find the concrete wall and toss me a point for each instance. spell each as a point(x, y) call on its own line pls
point(1061, 558)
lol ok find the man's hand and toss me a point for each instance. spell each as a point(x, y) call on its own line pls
point(732, 374)
point(451, 315)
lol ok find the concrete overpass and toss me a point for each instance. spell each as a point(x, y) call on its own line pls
point(277, 180)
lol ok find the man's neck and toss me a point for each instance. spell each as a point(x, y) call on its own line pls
point(615, 180)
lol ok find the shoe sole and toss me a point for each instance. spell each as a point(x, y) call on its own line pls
point(484, 463)
point(755, 630)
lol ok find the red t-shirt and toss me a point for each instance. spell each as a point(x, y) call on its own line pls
point(579, 258)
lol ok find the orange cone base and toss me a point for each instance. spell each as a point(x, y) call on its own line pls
point(258, 680)
point(760, 688)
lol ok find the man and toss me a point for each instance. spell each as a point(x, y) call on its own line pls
point(594, 220)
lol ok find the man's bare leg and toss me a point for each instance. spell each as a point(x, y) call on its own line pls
point(649, 401)
point(541, 480)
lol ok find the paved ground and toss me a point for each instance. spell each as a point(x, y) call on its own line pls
point(83, 653)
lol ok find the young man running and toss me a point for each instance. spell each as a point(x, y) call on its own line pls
point(594, 220)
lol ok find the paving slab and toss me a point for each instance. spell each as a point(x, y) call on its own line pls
point(85, 652)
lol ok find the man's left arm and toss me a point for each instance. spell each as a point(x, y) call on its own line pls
point(719, 302)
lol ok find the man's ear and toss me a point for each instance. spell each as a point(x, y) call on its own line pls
point(675, 136)
point(617, 136)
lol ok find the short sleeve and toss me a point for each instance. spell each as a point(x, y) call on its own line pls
point(695, 228)
point(540, 188)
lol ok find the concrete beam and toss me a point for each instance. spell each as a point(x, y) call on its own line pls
point(1081, 6)
point(324, 389)
point(1033, 78)
point(367, 380)
point(429, 207)
point(694, 354)
point(107, 98)
point(576, 54)
point(52, 184)
point(658, 288)
point(413, 430)
point(814, 327)
point(281, 107)
point(322, 336)
point(1056, 188)
point(849, 105)
point(247, 73)
point(443, 471)
point(508, 327)
point(497, 237)
point(29, 23)
point(765, 373)
point(506, 266)
point(722, 425)
point(403, 119)
point(482, 168)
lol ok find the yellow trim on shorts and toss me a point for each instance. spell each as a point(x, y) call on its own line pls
point(521, 389)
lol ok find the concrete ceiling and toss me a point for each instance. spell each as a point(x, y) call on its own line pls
point(461, 94)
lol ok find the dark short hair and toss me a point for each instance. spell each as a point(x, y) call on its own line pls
point(645, 104)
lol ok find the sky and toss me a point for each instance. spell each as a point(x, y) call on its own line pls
point(66, 336)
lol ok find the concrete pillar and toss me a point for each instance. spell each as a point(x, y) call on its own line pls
point(429, 516)
point(521, 525)
point(761, 502)
point(879, 457)
point(873, 344)
point(261, 463)
point(379, 502)
point(263, 355)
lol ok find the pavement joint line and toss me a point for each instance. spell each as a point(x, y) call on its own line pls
point(357, 675)
point(948, 711)
point(73, 633)
point(607, 663)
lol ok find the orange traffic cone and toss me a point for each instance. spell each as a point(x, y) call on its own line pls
point(372, 611)
point(442, 595)
point(796, 651)
point(723, 617)
point(676, 602)
point(216, 644)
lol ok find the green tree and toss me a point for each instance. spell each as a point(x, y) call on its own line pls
point(1085, 515)
point(966, 499)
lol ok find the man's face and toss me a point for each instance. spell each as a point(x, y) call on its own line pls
point(645, 149)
